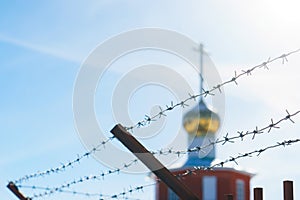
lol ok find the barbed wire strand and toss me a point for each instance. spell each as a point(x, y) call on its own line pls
point(64, 166)
point(100, 176)
point(49, 191)
point(73, 192)
point(258, 152)
point(193, 171)
point(226, 139)
point(149, 119)
point(61, 191)
point(163, 112)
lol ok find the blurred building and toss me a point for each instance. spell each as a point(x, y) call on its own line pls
point(201, 125)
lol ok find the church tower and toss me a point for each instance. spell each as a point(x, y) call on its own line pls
point(201, 125)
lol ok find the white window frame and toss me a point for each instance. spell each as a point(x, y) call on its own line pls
point(240, 189)
point(209, 188)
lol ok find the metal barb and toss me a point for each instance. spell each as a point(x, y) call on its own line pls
point(182, 103)
point(64, 166)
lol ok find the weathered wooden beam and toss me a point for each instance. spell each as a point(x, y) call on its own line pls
point(152, 163)
point(14, 189)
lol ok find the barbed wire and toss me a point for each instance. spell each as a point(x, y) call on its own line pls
point(131, 190)
point(61, 191)
point(49, 191)
point(258, 152)
point(220, 164)
point(101, 176)
point(148, 119)
point(226, 139)
point(66, 165)
point(162, 113)
point(193, 171)
point(101, 196)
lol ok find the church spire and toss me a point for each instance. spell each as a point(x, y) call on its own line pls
point(201, 68)
point(201, 124)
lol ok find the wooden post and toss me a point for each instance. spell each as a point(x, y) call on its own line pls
point(288, 190)
point(228, 197)
point(258, 194)
point(14, 189)
point(152, 163)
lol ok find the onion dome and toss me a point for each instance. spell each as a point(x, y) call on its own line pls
point(201, 121)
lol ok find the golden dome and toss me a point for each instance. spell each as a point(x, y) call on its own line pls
point(201, 121)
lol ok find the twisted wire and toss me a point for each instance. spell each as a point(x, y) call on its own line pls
point(193, 171)
point(258, 152)
point(163, 111)
point(101, 176)
point(101, 196)
point(226, 139)
point(66, 165)
point(148, 119)
point(123, 195)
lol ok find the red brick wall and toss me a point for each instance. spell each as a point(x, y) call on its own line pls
point(226, 183)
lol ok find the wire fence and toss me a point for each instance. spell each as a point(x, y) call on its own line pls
point(226, 139)
point(100, 196)
point(183, 103)
point(66, 165)
point(66, 187)
point(193, 171)
point(163, 112)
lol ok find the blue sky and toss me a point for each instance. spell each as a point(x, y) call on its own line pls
point(42, 46)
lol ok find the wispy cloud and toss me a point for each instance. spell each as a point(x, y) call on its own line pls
point(40, 48)
point(276, 87)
